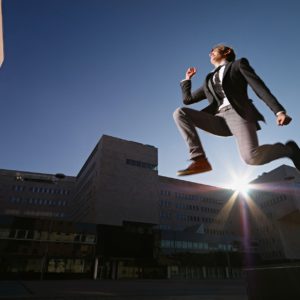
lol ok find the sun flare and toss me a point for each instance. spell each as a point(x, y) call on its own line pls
point(240, 185)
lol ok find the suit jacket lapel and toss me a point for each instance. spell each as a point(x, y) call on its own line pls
point(227, 67)
point(209, 85)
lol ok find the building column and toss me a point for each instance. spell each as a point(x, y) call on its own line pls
point(169, 272)
point(227, 272)
point(96, 268)
point(114, 272)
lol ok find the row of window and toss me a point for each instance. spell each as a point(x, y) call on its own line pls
point(183, 196)
point(203, 231)
point(265, 229)
point(54, 265)
point(273, 201)
point(183, 217)
point(141, 164)
point(59, 265)
point(9, 233)
point(167, 203)
point(165, 215)
point(169, 227)
point(35, 201)
point(272, 254)
point(44, 190)
point(171, 244)
point(186, 218)
point(194, 197)
point(165, 193)
point(267, 241)
point(34, 213)
point(212, 231)
point(197, 208)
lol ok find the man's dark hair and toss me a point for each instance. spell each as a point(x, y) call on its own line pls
point(226, 51)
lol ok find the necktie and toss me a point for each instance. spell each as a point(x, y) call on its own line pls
point(217, 85)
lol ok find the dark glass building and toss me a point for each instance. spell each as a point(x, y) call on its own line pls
point(44, 248)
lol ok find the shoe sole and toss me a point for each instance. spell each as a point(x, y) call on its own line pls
point(186, 172)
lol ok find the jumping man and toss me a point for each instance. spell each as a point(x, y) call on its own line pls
point(230, 112)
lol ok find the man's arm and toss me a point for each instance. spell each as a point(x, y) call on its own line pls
point(259, 87)
point(263, 92)
point(189, 97)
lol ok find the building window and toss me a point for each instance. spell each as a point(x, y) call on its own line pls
point(4, 233)
point(19, 188)
point(141, 164)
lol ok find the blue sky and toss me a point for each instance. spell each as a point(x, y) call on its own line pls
point(77, 69)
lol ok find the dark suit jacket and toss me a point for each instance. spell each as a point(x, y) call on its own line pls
point(237, 76)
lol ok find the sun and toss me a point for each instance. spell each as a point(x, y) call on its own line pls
point(240, 185)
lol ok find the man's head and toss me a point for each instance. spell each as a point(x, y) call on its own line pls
point(221, 52)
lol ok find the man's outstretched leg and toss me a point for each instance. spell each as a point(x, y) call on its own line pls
point(250, 150)
point(187, 120)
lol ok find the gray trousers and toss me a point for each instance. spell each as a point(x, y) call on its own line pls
point(226, 123)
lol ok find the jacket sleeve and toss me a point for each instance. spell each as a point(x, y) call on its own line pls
point(189, 97)
point(259, 87)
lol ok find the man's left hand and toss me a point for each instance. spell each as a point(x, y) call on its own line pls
point(283, 119)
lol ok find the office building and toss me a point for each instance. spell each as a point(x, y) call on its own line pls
point(35, 194)
point(118, 182)
point(275, 214)
point(182, 229)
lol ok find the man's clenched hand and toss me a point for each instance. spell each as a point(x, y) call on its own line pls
point(283, 119)
point(190, 73)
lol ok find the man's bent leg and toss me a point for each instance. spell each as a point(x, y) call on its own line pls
point(188, 119)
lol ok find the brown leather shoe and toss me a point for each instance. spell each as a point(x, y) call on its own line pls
point(200, 165)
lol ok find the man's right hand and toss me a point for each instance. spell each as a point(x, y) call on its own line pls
point(283, 119)
point(190, 73)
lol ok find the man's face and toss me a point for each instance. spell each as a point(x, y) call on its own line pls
point(215, 56)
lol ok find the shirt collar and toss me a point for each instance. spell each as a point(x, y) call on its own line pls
point(222, 63)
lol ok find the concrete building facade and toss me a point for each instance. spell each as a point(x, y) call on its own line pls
point(119, 182)
point(29, 194)
point(203, 230)
point(275, 213)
